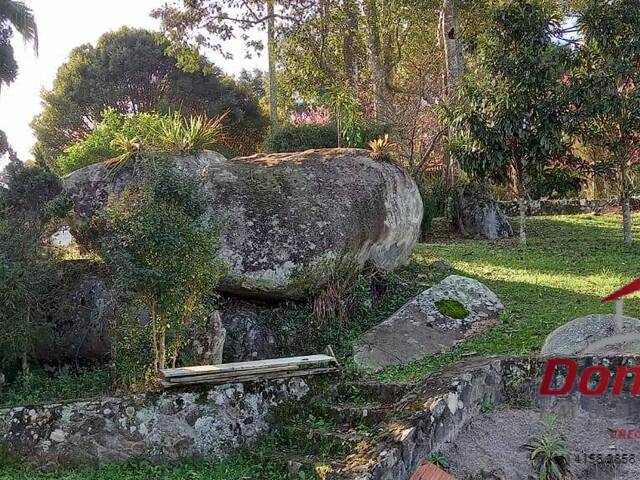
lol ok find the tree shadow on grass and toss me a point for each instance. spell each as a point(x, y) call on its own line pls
point(575, 246)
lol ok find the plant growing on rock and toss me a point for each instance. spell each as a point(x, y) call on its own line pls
point(382, 148)
point(158, 246)
point(549, 454)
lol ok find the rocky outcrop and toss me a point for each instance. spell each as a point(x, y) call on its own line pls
point(284, 217)
point(168, 427)
point(80, 320)
point(430, 323)
point(479, 215)
point(594, 334)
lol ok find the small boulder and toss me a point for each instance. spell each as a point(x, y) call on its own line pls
point(594, 334)
point(430, 323)
point(479, 215)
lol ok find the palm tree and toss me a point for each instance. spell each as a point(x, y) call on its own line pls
point(20, 16)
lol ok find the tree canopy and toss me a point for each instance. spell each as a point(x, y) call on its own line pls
point(129, 70)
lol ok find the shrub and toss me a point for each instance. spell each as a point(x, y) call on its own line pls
point(158, 245)
point(291, 138)
point(434, 198)
point(120, 137)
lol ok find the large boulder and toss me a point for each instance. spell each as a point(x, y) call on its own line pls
point(430, 323)
point(285, 217)
point(479, 215)
point(594, 334)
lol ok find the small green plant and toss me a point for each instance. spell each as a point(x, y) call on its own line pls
point(438, 459)
point(382, 148)
point(549, 454)
point(452, 308)
point(487, 406)
point(176, 134)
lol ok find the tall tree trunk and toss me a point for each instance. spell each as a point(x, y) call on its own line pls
point(349, 45)
point(271, 52)
point(625, 202)
point(376, 60)
point(453, 71)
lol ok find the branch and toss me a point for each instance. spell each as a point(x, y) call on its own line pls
point(425, 157)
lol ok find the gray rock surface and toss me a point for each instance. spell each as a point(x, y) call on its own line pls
point(171, 426)
point(247, 337)
point(80, 329)
point(418, 329)
point(594, 334)
point(479, 216)
point(283, 216)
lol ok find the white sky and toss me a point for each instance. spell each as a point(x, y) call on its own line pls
point(63, 25)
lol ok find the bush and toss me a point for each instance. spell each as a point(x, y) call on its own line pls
point(434, 199)
point(291, 138)
point(159, 246)
point(120, 137)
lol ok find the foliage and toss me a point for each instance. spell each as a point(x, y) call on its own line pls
point(14, 15)
point(434, 199)
point(558, 180)
point(604, 86)
point(561, 275)
point(438, 459)
point(452, 308)
point(27, 271)
point(508, 116)
point(157, 244)
point(120, 137)
point(129, 72)
point(382, 148)
point(42, 387)
point(290, 138)
point(549, 454)
point(336, 297)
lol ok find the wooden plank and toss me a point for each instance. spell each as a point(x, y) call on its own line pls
point(429, 471)
point(232, 375)
point(250, 378)
point(242, 366)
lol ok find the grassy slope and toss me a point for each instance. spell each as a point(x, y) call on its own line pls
point(570, 262)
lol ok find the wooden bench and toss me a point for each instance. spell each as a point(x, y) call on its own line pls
point(249, 371)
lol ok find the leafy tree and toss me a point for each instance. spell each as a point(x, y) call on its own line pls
point(206, 23)
point(507, 120)
point(605, 85)
point(129, 71)
point(27, 271)
point(14, 15)
point(158, 245)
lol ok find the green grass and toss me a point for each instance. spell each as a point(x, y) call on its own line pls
point(452, 308)
point(568, 265)
point(43, 388)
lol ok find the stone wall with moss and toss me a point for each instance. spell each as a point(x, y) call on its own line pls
point(208, 423)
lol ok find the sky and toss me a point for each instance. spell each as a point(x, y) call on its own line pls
point(63, 25)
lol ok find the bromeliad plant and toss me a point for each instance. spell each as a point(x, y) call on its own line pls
point(382, 148)
point(549, 454)
point(119, 138)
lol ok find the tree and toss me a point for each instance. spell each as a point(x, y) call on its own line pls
point(206, 23)
point(27, 270)
point(158, 245)
point(16, 16)
point(129, 71)
point(605, 86)
point(508, 115)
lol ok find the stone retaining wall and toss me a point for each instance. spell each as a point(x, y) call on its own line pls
point(436, 411)
point(173, 425)
point(563, 206)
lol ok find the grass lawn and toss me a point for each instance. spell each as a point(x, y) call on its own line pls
point(569, 263)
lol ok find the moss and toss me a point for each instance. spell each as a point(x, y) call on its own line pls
point(452, 308)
